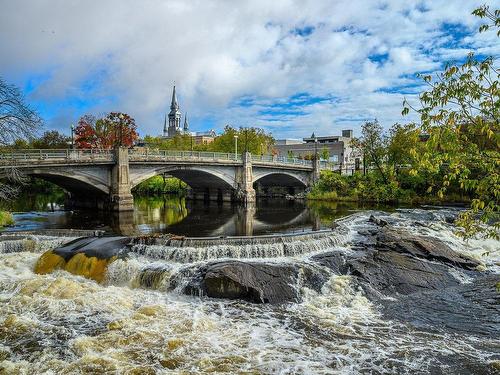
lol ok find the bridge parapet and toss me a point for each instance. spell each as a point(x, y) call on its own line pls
point(49, 156)
point(90, 156)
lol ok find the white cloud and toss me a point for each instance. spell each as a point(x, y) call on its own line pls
point(124, 55)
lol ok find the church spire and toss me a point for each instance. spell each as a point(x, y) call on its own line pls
point(186, 124)
point(174, 104)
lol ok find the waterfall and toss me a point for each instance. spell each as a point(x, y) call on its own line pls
point(188, 250)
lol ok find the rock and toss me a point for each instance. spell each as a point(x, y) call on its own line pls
point(466, 308)
point(88, 256)
point(391, 272)
point(398, 240)
point(101, 248)
point(251, 281)
point(394, 261)
point(377, 221)
point(334, 260)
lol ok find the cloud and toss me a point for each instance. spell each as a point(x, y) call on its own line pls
point(233, 62)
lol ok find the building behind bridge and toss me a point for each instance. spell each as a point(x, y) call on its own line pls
point(337, 148)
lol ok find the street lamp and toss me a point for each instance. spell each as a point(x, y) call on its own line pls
point(235, 147)
point(72, 136)
point(315, 148)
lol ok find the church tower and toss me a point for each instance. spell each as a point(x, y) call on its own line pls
point(174, 117)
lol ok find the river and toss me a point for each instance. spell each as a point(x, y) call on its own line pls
point(66, 324)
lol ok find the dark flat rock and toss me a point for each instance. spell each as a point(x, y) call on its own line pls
point(466, 308)
point(252, 281)
point(391, 272)
point(99, 247)
point(394, 239)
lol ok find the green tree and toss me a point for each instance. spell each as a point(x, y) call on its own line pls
point(51, 139)
point(254, 140)
point(324, 154)
point(373, 143)
point(461, 113)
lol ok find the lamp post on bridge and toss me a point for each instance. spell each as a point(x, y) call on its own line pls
point(235, 147)
point(72, 127)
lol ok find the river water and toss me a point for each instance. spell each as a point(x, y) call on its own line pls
point(60, 323)
point(171, 214)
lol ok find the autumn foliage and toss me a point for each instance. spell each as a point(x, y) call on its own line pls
point(105, 133)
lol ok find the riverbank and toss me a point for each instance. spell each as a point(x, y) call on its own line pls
point(406, 199)
point(6, 219)
point(371, 188)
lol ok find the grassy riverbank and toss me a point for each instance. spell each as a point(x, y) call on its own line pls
point(6, 219)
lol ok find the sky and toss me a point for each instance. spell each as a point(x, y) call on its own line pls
point(292, 67)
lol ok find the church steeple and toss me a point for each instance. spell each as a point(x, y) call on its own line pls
point(174, 117)
point(174, 105)
point(186, 124)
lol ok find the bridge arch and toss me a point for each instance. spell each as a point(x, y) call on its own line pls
point(280, 178)
point(72, 182)
point(196, 177)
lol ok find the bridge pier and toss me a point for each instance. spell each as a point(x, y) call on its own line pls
point(246, 192)
point(121, 198)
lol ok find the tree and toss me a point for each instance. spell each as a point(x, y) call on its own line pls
point(373, 144)
point(402, 139)
point(115, 129)
point(254, 140)
point(17, 119)
point(18, 123)
point(51, 139)
point(461, 113)
point(325, 154)
point(122, 129)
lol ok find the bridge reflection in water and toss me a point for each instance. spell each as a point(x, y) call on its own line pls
point(172, 214)
point(198, 218)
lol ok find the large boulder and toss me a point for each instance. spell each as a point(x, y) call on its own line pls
point(256, 282)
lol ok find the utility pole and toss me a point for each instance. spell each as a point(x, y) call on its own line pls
point(72, 136)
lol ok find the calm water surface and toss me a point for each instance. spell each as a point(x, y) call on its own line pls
point(172, 214)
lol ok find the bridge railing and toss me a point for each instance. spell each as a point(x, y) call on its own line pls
point(37, 155)
point(281, 160)
point(150, 154)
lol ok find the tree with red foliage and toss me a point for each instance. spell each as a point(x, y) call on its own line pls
point(116, 129)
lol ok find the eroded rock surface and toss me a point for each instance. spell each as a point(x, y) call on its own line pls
point(253, 281)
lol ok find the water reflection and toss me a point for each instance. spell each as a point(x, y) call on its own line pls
point(171, 214)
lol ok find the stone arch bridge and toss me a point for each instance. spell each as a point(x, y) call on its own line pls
point(105, 178)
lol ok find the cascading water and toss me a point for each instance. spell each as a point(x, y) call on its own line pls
point(137, 321)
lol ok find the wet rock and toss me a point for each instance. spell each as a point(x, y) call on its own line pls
point(101, 248)
point(466, 308)
point(88, 256)
point(391, 272)
point(393, 261)
point(398, 240)
point(377, 221)
point(334, 260)
point(252, 281)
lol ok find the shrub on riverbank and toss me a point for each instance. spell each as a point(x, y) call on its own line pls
point(6, 219)
point(372, 188)
point(158, 185)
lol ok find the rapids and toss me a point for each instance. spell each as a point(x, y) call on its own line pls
point(133, 322)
